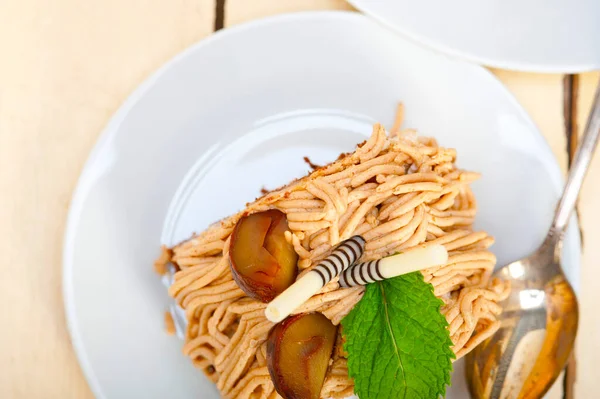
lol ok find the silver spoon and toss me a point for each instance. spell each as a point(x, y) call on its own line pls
point(539, 322)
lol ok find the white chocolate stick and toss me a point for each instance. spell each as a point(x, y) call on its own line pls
point(342, 257)
point(392, 266)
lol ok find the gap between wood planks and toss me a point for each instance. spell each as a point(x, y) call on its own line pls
point(570, 96)
point(219, 14)
point(570, 93)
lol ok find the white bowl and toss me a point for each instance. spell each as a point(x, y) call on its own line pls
point(533, 35)
point(237, 112)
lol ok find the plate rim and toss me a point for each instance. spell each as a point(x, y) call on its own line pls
point(511, 65)
point(109, 132)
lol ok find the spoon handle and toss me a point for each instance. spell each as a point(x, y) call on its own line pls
point(579, 167)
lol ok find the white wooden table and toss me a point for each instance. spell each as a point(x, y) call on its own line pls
point(67, 65)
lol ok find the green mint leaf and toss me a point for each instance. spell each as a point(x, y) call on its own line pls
point(397, 341)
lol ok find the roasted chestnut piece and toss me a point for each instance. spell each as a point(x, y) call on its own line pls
point(262, 262)
point(298, 353)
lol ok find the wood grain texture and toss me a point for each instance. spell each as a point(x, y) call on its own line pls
point(588, 344)
point(65, 67)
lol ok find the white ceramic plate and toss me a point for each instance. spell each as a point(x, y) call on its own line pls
point(237, 112)
point(536, 35)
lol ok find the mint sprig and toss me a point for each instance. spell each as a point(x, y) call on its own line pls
point(397, 341)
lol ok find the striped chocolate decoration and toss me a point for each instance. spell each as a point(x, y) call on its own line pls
point(340, 259)
point(418, 258)
point(341, 262)
point(361, 274)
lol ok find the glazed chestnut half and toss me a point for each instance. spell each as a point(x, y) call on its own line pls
point(262, 262)
point(298, 353)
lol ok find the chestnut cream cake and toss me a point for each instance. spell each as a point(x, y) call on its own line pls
point(364, 277)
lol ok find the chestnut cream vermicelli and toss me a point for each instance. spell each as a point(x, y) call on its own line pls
point(398, 192)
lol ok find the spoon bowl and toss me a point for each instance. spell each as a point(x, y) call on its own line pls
point(539, 322)
point(537, 330)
